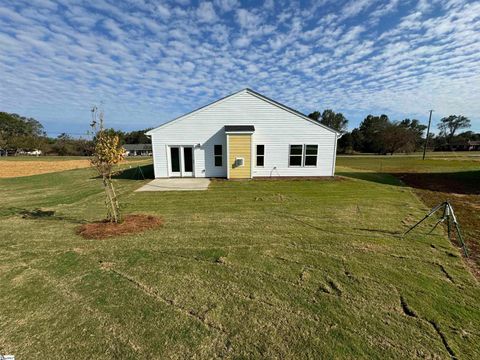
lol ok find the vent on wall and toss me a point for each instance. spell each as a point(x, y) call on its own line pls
point(239, 161)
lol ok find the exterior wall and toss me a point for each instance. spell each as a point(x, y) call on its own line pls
point(275, 128)
point(239, 146)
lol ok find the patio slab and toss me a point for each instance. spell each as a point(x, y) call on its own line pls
point(176, 184)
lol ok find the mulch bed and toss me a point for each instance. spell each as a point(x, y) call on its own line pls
point(132, 224)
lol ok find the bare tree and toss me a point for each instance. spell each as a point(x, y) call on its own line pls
point(107, 153)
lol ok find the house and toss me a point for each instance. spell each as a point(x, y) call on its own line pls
point(473, 145)
point(138, 149)
point(241, 136)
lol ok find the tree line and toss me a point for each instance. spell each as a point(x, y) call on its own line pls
point(380, 135)
point(375, 134)
point(19, 134)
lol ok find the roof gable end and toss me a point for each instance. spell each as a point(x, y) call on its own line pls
point(247, 91)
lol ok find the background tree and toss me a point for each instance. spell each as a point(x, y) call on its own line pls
point(331, 119)
point(396, 137)
point(370, 130)
point(316, 115)
point(107, 153)
point(18, 132)
point(449, 125)
point(334, 120)
point(137, 137)
point(417, 129)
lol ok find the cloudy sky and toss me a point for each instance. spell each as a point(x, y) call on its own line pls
point(149, 61)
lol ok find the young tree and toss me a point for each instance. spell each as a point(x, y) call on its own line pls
point(107, 153)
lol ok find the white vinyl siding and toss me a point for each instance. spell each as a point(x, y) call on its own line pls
point(275, 128)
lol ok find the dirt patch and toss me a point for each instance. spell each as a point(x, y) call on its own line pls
point(465, 182)
point(13, 168)
point(132, 224)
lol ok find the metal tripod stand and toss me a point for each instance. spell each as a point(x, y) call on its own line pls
point(449, 217)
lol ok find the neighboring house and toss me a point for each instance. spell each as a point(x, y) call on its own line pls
point(462, 145)
point(138, 149)
point(473, 145)
point(243, 135)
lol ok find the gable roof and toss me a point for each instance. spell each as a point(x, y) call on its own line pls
point(130, 147)
point(244, 91)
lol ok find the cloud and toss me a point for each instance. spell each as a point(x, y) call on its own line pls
point(242, 41)
point(152, 62)
point(247, 19)
point(206, 12)
point(163, 11)
point(226, 5)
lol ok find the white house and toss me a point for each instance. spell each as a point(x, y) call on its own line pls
point(243, 135)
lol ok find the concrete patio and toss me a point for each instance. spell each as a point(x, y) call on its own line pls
point(176, 184)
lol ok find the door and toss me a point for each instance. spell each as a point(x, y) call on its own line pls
point(181, 161)
point(187, 161)
point(175, 161)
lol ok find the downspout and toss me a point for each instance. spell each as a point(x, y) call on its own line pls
point(337, 136)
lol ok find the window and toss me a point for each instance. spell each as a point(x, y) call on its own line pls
point(217, 154)
point(260, 155)
point(303, 155)
point(310, 155)
point(296, 154)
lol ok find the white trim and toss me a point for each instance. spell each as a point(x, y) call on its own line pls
point(228, 156)
point(251, 156)
point(215, 156)
point(247, 91)
point(289, 148)
point(335, 154)
point(181, 154)
point(256, 155)
point(305, 156)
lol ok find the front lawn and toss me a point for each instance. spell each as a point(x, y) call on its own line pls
point(273, 269)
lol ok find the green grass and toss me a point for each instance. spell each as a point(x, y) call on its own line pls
point(272, 269)
point(397, 164)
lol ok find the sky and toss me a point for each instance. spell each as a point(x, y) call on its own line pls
point(150, 61)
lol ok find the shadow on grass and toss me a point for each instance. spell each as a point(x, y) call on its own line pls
point(380, 178)
point(462, 182)
point(39, 214)
point(139, 172)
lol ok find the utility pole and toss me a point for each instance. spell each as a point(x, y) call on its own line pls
point(428, 133)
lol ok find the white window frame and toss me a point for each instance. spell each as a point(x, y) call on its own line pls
point(305, 156)
point(215, 155)
point(289, 155)
point(256, 155)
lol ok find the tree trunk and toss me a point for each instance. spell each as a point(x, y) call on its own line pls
point(116, 206)
point(112, 214)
